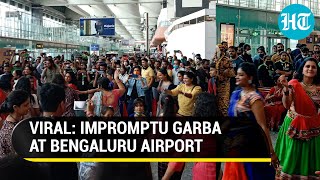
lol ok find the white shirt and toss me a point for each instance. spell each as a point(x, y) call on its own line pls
point(175, 75)
point(124, 78)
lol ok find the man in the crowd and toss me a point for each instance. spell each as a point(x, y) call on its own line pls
point(274, 50)
point(198, 61)
point(7, 70)
point(266, 73)
point(131, 61)
point(16, 66)
point(175, 70)
point(52, 99)
point(316, 49)
point(241, 45)
point(148, 73)
point(296, 52)
point(183, 58)
point(246, 56)
point(236, 62)
point(170, 59)
point(302, 57)
point(52, 104)
point(225, 44)
point(188, 67)
point(165, 65)
point(203, 74)
point(102, 72)
point(283, 67)
point(276, 57)
point(240, 51)
point(258, 59)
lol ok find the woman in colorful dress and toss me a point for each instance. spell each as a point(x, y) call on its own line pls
point(298, 143)
point(168, 111)
point(225, 72)
point(24, 84)
point(248, 135)
point(17, 104)
point(71, 80)
point(164, 84)
point(205, 106)
point(274, 107)
point(71, 95)
point(108, 96)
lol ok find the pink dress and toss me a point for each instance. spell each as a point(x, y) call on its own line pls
point(200, 171)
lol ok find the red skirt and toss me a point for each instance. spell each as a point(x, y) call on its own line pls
point(273, 114)
point(234, 171)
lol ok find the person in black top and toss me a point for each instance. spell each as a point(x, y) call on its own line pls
point(247, 53)
point(236, 62)
point(266, 73)
point(203, 74)
point(52, 103)
point(283, 67)
point(301, 58)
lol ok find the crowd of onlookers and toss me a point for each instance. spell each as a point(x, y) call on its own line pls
point(149, 86)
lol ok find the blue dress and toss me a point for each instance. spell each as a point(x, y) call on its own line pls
point(246, 139)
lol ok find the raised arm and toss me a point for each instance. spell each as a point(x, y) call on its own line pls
point(258, 110)
point(122, 88)
point(287, 92)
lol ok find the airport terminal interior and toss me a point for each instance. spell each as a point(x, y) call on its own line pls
point(164, 58)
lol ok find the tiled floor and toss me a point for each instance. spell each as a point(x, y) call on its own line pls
point(187, 173)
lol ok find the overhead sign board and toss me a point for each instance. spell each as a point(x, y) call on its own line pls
point(39, 46)
point(97, 27)
point(94, 47)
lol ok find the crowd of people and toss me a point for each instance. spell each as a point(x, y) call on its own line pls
point(278, 91)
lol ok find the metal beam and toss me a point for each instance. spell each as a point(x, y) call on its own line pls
point(79, 11)
point(120, 23)
point(88, 2)
point(134, 17)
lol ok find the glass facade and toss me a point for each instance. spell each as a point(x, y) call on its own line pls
point(273, 5)
point(259, 27)
point(21, 22)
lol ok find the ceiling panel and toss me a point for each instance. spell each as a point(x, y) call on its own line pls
point(128, 13)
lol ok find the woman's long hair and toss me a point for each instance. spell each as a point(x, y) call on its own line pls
point(167, 103)
point(53, 65)
point(165, 73)
point(59, 80)
point(105, 84)
point(73, 78)
point(251, 71)
point(24, 84)
point(15, 98)
point(205, 105)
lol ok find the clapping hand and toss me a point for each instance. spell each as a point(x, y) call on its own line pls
point(90, 106)
point(283, 80)
point(116, 74)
